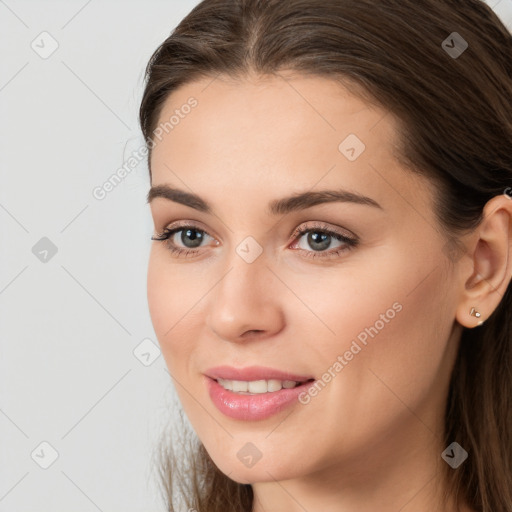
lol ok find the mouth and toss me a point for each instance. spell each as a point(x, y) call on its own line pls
point(253, 400)
point(261, 386)
point(253, 375)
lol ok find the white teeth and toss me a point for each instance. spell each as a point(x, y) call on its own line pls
point(239, 385)
point(256, 386)
point(274, 385)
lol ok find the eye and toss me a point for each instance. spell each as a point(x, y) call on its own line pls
point(319, 238)
point(191, 237)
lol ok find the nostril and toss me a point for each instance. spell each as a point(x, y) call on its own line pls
point(252, 332)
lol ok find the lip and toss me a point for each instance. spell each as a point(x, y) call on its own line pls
point(253, 373)
point(253, 407)
point(258, 406)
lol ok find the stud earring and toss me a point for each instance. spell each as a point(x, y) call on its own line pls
point(474, 312)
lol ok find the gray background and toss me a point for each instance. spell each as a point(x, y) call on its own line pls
point(79, 365)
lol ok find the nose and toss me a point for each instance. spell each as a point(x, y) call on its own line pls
point(245, 304)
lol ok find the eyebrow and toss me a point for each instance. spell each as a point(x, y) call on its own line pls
point(282, 206)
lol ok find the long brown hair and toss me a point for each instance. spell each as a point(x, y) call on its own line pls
point(455, 114)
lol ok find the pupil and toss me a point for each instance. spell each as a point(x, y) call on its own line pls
point(196, 239)
point(315, 238)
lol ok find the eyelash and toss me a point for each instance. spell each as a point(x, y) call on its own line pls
point(168, 233)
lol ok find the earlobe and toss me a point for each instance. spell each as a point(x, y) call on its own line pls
point(470, 318)
point(491, 264)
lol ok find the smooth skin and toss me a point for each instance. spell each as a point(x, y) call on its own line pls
point(372, 438)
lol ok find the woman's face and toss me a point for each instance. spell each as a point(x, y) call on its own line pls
point(363, 301)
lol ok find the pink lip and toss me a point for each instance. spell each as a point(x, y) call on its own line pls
point(252, 407)
point(253, 373)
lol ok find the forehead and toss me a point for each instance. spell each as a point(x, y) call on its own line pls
point(276, 132)
point(280, 109)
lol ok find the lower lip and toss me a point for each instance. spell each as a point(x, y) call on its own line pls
point(253, 407)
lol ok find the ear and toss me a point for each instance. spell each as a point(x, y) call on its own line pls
point(486, 276)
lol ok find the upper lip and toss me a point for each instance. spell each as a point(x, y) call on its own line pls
point(252, 373)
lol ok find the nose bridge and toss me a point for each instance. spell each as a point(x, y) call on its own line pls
point(247, 263)
point(242, 300)
point(242, 286)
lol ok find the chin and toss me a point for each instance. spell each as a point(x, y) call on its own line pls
point(261, 471)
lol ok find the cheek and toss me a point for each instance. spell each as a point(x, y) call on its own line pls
point(394, 356)
point(387, 306)
point(172, 292)
point(173, 289)
point(174, 299)
point(159, 296)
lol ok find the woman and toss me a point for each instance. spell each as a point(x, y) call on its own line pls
point(330, 276)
